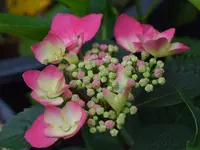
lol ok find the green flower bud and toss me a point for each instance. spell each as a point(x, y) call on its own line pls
point(75, 97)
point(148, 69)
point(100, 95)
point(124, 63)
point(161, 80)
point(116, 48)
point(93, 130)
point(92, 111)
point(61, 66)
point(74, 74)
point(128, 72)
point(81, 65)
point(120, 120)
point(89, 86)
point(101, 122)
point(112, 114)
point(126, 110)
point(106, 60)
point(90, 92)
point(90, 74)
point(114, 60)
point(130, 97)
point(152, 61)
point(104, 72)
point(154, 82)
point(97, 77)
point(86, 80)
point(129, 63)
point(110, 88)
point(133, 110)
point(79, 83)
point(71, 67)
point(114, 132)
point(115, 84)
point(122, 115)
point(103, 79)
point(95, 118)
point(95, 45)
point(88, 66)
point(106, 114)
point(137, 85)
point(102, 128)
point(119, 126)
point(135, 77)
point(112, 75)
point(143, 82)
point(95, 50)
point(99, 89)
point(73, 84)
point(149, 88)
point(100, 111)
point(128, 104)
point(101, 67)
point(91, 122)
point(133, 58)
point(160, 64)
point(142, 68)
point(146, 74)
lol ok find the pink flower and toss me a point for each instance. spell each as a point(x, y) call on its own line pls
point(47, 85)
point(50, 50)
point(75, 31)
point(136, 37)
point(56, 123)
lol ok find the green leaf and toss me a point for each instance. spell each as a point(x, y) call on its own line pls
point(196, 116)
point(184, 74)
point(100, 141)
point(97, 6)
point(163, 137)
point(25, 46)
point(23, 26)
point(12, 134)
point(196, 3)
point(78, 7)
point(194, 45)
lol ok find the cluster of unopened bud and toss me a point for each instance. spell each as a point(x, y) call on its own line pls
point(100, 70)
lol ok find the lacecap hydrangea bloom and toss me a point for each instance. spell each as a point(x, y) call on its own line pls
point(107, 81)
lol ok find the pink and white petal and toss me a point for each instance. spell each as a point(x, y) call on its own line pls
point(63, 25)
point(177, 48)
point(148, 30)
point(62, 89)
point(125, 31)
point(44, 100)
point(169, 34)
point(35, 134)
point(89, 25)
point(138, 46)
point(80, 124)
point(52, 116)
point(30, 78)
point(58, 132)
point(71, 113)
point(154, 45)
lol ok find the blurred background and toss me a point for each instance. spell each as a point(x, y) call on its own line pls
point(15, 51)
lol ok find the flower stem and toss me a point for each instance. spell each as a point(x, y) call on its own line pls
point(127, 138)
point(138, 10)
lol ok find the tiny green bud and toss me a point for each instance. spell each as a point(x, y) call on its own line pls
point(101, 122)
point(95, 118)
point(102, 128)
point(95, 50)
point(114, 132)
point(74, 74)
point(89, 86)
point(112, 75)
point(142, 68)
point(61, 66)
point(160, 64)
point(133, 110)
point(103, 79)
point(128, 72)
point(101, 67)
point(95, 45)
point(135, 77)
point(134, 58)
point(100, 111)
point(115, 84)
point(130, 97)
point(106, 114)
point(119, 126)
point(129, 63)
point(91, 122)
point(88, 66)
point(81, 65)
point(90, 74)
point(75, 97)
point(90, 92)
point(73, 84)
point(137, 85)
point(110, 88)
point(100, 95)
point(161, 80)
point(92, 111)
point(126, 110)
point(97, 77)
point(99, 89)
point(143, 82)
point(124, 63)
point(120, 120)
point(112, 114)
point(128, 104)
point(149, 88)
point(114, 60)
point(154, 82)
point(152, 61)
point(93, 130)
point(79, 83)
point(146, 74)
point(86, 80)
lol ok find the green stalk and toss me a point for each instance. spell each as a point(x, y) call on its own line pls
point(127, 138)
